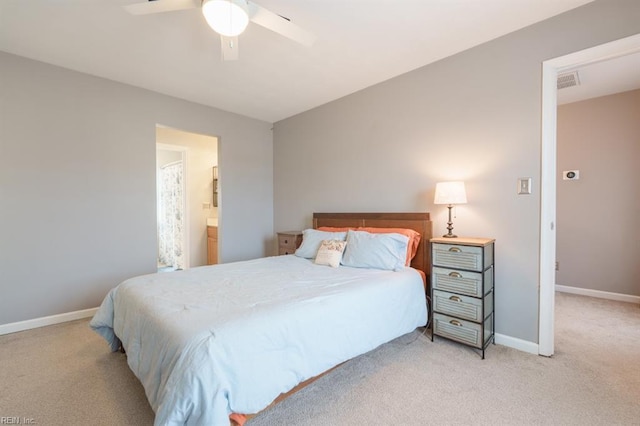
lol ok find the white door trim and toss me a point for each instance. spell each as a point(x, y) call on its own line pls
point(550, 70)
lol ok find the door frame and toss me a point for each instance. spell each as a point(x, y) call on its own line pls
point(550, 70)
point(185, 199)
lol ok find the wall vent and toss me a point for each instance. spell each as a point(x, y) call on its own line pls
point(568, 79)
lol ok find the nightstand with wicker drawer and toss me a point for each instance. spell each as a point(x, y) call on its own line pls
point(462, 290)
point(289, 241)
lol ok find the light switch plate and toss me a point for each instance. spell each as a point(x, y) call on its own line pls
point(524, 185)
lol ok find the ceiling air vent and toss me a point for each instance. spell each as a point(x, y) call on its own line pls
point(568, 79)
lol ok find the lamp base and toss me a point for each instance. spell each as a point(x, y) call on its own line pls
point(450, 225)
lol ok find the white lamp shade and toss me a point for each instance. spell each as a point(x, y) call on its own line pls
point(450, 193)
point(226, 17)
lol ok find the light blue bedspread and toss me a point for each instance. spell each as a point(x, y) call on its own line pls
point(213, 340)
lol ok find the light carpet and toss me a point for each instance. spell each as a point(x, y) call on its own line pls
point(65, 375)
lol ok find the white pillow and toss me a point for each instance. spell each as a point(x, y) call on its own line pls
point(311, 240)
point(330, 252)
point(378, 251)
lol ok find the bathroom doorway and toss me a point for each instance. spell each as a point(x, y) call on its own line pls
point(195, 190)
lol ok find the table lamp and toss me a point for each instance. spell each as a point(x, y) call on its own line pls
point(450, 193)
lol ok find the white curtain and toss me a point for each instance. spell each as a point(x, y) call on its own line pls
point(170, 216)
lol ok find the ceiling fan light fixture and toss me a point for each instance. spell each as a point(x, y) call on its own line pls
point(226, 17)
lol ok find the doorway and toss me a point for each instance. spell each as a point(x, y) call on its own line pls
point(550, 71)
point(200, 194)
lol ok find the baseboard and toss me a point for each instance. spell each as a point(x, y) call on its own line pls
point(598, 293)
point(519, 344)
point(14, 327)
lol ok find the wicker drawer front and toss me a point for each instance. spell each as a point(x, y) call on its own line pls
point(464, 307)
point(468, 283)
point(288, 243)
point(458, 256)
point(457, 329)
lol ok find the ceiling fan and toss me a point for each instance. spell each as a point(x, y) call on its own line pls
point(229, 18)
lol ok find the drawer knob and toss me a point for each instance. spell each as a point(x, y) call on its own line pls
point(454, 322)
point(455, 274)
point(455, 249)
point(455, 299)
point(286, 241)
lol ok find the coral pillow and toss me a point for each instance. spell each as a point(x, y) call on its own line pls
point(414, 238)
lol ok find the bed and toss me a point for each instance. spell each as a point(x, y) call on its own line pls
point(216, 344)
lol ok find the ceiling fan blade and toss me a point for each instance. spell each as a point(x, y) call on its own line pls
point(280, 25)
point(158, 6)
point(229, 48)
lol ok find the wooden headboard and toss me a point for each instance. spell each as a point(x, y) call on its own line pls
point(420, 222)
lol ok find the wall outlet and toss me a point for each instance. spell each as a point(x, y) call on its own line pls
point(557, 266)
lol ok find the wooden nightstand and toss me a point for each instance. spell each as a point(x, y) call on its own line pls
point(289, 241)
point(462, 290)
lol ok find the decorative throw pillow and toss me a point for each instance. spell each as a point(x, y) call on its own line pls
point(330, 253)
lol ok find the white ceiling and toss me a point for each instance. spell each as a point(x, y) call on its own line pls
point(360, 43)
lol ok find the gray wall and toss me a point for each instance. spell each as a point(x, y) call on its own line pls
point(77, 185)
point(475, 116)
point(597, 215)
